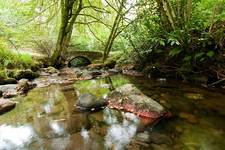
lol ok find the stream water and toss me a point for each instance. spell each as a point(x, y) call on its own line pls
point(47, 119)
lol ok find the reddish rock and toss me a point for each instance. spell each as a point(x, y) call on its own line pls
point(129, 98)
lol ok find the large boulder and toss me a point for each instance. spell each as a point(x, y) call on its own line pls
point(90, 102)
point(6, 105)
point(131, 99)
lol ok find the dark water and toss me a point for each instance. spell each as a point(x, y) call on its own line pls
point(47, 119)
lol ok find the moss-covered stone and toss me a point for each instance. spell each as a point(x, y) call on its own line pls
point(22, 74)
point(9, 81)
point(51, 70)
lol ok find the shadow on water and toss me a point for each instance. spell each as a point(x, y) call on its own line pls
point(47, 118)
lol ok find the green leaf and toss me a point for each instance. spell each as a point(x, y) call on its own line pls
point(198, 55)
point(187, 58)
point(162, 43)
point(210, 54)
point(174, 52)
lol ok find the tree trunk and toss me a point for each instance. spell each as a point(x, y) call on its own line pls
point(70, 10)
point(113, 33)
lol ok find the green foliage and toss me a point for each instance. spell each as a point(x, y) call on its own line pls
point(10, 59)
point(193, 41)
point(3, 74)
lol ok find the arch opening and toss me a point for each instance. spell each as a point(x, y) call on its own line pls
point(79, 61)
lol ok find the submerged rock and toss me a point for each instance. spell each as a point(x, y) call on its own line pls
point(129, 98)
point(90, 102)
point(6, 105)
point(158, 138)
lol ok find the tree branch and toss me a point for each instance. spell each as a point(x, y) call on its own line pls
point(97, 19)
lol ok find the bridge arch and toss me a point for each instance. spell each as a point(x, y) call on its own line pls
point(90, 55)
point(79, 61)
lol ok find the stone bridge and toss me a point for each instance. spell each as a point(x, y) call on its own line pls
point(89, 55)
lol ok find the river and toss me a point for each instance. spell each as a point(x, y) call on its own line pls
point(47, 118)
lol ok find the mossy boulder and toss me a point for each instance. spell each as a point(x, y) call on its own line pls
point(10, 81)
point(22, 74)
point(52, 70)
point(4, 78)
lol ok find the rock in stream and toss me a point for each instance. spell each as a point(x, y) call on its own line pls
point(90, 102)
point(131, 99)
point(6, 105)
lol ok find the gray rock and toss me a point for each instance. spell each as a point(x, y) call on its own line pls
point(8, 91)
point(9, 87)
point(9, 94)
point(90, 102)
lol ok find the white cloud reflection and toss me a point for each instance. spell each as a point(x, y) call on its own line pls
point(15, 137)
point(120, 134)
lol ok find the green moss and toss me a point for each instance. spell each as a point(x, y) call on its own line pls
point(3, 74)
point(10, 59)
point(20, 74)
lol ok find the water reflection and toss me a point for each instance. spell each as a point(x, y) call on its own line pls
point(119, 134)
point(15, 137)
point(47, 119)
point(57, 129)
point(85, 134)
